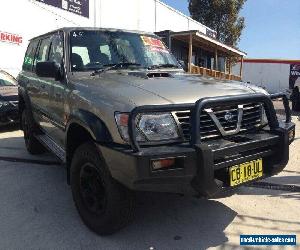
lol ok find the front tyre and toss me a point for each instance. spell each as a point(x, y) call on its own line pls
point(33, 146)
point(296, 100)
point(104, 205)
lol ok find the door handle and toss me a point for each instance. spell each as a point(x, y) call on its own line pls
point(43, 86)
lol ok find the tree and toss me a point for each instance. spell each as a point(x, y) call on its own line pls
point(221, 16)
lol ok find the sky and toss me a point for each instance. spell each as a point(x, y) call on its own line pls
point(272, 27)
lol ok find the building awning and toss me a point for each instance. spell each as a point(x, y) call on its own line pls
point(207, 42)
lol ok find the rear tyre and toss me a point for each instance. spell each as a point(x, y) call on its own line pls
point(33, 146)
point(296, 100)
point(104, 205)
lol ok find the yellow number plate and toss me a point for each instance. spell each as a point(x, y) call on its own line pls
point(244, 172)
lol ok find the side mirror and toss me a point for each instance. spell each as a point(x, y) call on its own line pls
point(47, 69)
point(181, 62)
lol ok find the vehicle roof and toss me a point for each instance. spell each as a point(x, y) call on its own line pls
point(69, 29)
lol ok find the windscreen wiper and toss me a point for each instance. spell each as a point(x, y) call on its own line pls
point(166, 65)
point(107, 67)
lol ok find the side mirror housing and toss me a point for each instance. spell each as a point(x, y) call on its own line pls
point(47, 69)
point(182, 64)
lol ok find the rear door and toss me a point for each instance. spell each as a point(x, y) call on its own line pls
point(27, 73)
point(26, 77)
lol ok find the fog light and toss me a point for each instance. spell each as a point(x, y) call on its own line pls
point(291, 135)
point(163, 163)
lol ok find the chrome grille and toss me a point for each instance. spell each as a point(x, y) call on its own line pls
point(14, 103)
point(208, 129)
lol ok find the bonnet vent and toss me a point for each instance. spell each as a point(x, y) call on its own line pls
point(148, 75)
point(158, 74)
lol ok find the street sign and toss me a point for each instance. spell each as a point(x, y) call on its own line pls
point(294, 74)
point(79, 7)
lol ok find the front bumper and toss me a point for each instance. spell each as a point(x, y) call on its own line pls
point(201, 168)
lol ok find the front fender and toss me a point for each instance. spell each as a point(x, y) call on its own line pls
point(92, 123)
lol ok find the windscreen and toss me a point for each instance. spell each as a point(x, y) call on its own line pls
point(91, 50)
point(7, 80)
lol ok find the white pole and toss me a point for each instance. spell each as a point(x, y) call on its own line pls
point(95, 14)
point(155, 15)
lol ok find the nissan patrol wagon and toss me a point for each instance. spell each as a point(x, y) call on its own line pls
point(119, 111)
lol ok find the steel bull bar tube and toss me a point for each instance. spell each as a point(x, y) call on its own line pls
point(196, 111)
point(205, 182)
point(231, 100)
point(288, 125)
point(286, 105)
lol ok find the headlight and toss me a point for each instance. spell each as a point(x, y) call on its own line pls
point(150, 127)
point(122, 122)
point(158, 127)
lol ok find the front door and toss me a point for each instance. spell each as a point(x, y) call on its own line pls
point(58, 89)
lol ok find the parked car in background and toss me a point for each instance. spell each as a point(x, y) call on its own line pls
point(8, 99)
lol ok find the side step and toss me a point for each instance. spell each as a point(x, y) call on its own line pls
point(52, 146)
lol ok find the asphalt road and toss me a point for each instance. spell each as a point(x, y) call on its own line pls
point(37, 211)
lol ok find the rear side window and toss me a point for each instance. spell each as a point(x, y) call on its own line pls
point(29, 56)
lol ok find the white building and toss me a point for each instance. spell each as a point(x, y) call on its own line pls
point(275, 75)
point(20, 20)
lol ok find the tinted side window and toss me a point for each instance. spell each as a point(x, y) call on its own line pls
point(43, 53)
point(57, 49)
point(29, 56)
